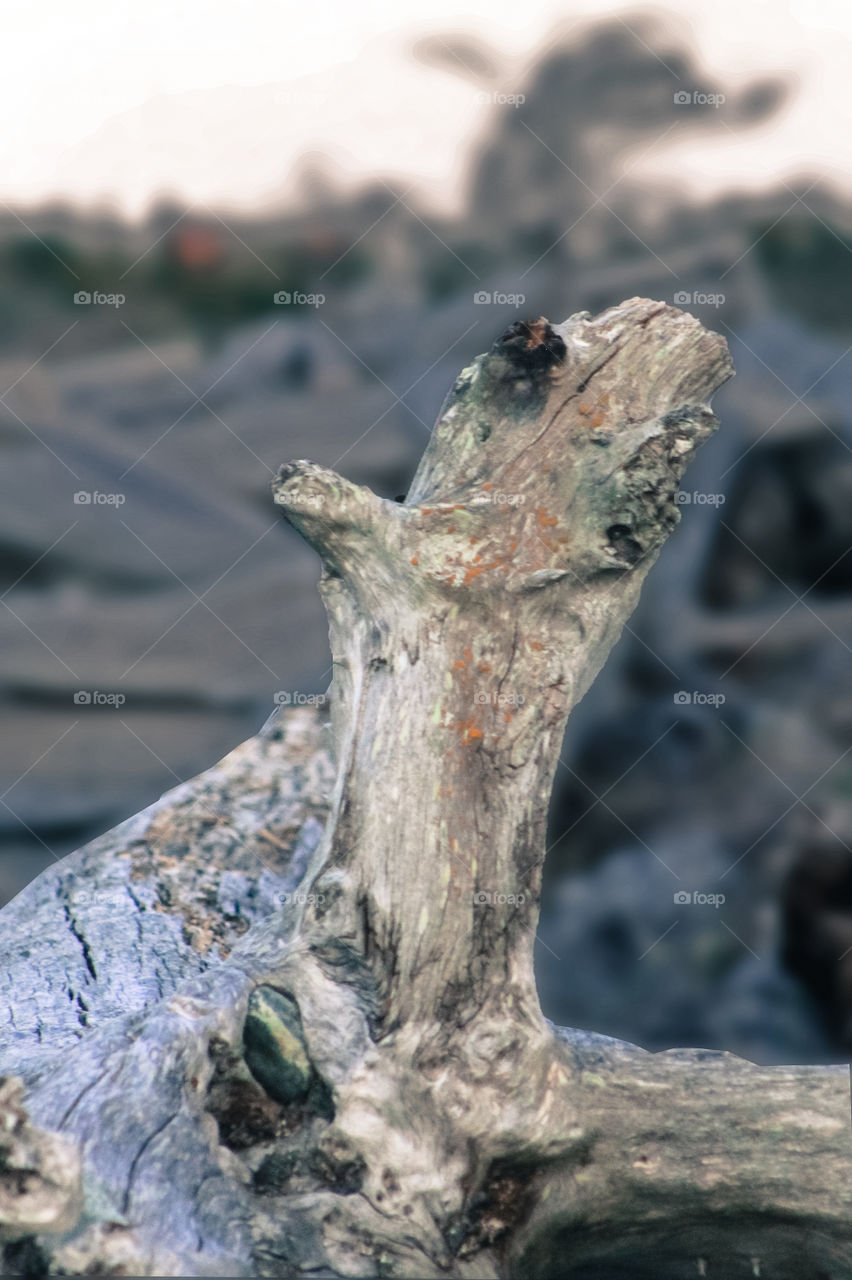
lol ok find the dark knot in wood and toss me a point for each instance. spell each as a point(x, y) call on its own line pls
point(533, 346)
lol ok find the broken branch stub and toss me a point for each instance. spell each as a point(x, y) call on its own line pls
point(467, 622)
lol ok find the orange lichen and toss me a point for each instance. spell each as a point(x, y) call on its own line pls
point(414, 560)
point(475, 570)
point(467, 729)
point(488, 485)
point(546, 521)
point(534, 644)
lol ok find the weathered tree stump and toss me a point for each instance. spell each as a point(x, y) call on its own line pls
point(358, 1080)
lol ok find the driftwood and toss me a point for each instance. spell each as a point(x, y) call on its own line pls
point(284, 1022)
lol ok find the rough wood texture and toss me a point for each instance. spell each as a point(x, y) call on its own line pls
point(357, 1080)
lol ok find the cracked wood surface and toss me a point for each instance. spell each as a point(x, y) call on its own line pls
point(123, 921)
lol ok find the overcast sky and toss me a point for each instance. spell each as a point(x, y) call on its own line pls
point(216, 102)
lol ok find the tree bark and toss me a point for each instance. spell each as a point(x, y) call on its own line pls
point(358, 1080)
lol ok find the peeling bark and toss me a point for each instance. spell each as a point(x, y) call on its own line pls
point(348, 1074)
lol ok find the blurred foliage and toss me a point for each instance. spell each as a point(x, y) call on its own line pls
point(808, 264)
point(166, 290)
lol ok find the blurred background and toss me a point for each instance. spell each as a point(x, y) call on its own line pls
point(232, 238)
